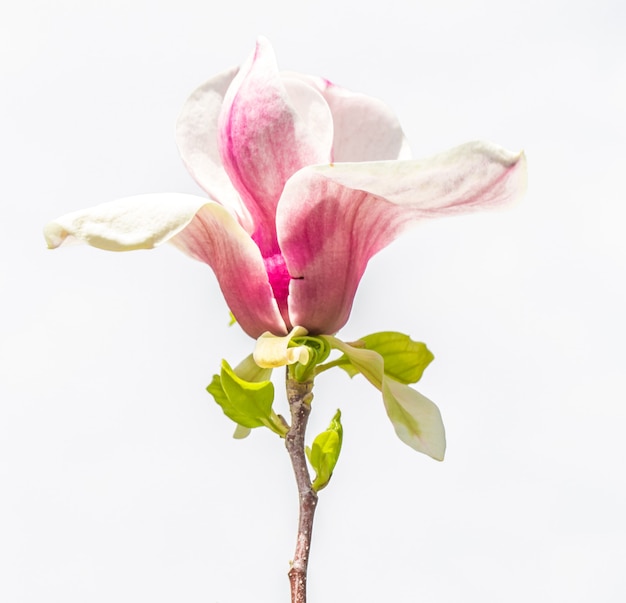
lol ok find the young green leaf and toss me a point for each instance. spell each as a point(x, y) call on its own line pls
point(324, 452)
point(248, 370)
point(247, 403)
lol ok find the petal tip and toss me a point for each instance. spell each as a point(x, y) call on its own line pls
point(54, 235)
point(520, 184)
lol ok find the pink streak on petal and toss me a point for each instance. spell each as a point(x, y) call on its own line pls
point(279, 280)
point(215, 237)
point(332, 219)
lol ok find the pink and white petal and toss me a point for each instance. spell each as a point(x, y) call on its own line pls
point(327, 241)
point(215, 237)
point(266, 134)
point(416, 420)
point(365, 128)
point(332, 219)
point(140, 222)
point(197, 140)
point(315, 120)
point(204, 230)
point(473, 176)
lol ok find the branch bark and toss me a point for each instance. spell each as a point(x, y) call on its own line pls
point(299, 396)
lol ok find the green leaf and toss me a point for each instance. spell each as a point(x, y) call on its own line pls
point(324, 452)
point(249, 370)
point(405, 359)
point(247, 403)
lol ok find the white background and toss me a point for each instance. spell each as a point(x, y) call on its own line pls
point(119, 477)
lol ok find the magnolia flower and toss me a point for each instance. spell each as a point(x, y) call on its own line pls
point(306, 182)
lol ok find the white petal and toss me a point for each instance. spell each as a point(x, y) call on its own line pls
point(365, 128)
point(416, 420)
point(272, 351)
point(249, 370)
point(197, 140)
point(140, 222)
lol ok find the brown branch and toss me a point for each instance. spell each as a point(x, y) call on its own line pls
point(300, 397)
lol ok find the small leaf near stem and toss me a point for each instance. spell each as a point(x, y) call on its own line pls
point(248, 403)
point(299, 396)
point(324, 452)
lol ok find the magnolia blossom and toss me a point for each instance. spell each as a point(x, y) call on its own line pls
point(306, 181)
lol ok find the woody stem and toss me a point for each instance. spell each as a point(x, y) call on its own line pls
point(299, 396)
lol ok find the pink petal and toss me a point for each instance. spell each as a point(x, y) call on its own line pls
point(204, 230)
point(267, 131)
point(332, 219)
point(365, 128)
point(216, 238)
point(197, 140)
